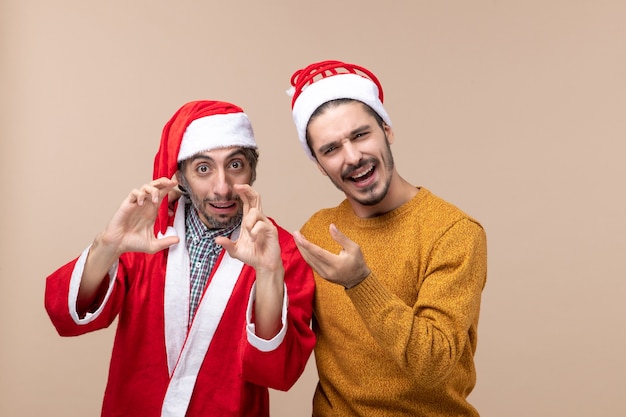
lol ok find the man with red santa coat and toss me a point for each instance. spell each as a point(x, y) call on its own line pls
point(213, 298)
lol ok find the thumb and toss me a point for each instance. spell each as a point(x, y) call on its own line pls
point(165, 242)
point(226, 243)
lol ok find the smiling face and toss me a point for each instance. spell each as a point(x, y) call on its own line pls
point(209, 177)
point(353, 150)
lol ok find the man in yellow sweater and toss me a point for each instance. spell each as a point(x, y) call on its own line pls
point(399, 272)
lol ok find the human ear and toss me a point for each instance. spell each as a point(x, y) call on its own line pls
point(388, 132)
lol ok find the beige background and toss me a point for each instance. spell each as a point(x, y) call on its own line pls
point(513, 110)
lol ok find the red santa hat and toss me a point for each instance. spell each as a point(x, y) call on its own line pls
point(196, 127)
point(324, 81)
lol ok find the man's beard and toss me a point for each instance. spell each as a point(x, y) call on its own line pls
point(370, 199)
point(211, 221)
point(216, 222)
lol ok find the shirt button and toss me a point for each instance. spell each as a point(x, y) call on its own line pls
point(198, 264)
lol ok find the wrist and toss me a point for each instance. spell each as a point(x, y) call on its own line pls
point(359, 278)
point(274, 268)
point(105, 247)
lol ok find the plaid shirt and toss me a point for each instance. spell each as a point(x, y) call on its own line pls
point(203, 253)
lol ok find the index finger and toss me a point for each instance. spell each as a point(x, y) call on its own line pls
point(344, 241)
point(163, 183)
point(249, 197)
point(313, 254)
point(163, 186)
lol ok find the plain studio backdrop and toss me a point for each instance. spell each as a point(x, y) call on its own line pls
point(512, 110)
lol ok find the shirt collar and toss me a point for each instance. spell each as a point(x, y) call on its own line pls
point(196, 230)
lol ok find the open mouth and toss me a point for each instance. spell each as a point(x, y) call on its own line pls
point(361, 175)
point(222, 205)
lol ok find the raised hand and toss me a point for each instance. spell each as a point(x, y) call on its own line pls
point(257, 244)
point(132, 227)
point(348, 268)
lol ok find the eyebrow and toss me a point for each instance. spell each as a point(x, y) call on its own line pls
point(235, 152)
point(352, 133)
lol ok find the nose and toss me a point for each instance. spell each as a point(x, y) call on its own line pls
point(351, 153)
point(222, 185)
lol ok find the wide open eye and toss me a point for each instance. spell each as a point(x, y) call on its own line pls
point(236, 164)
point(203, 169)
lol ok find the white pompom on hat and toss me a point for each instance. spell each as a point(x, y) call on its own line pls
point(196, 127)
point(324, 81)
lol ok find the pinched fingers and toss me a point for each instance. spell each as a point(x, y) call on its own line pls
point(254, 222)
point(250, 198)
point(146, 192)
point(153, 191)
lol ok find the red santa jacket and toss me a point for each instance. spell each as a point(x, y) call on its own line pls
point(216, 368)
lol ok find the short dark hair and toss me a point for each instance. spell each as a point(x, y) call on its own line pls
point(252, 155)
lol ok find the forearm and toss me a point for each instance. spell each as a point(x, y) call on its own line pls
point(429, 337)
point(100, 259)
point(417, 343)
point(277, 363)
point(268, 303)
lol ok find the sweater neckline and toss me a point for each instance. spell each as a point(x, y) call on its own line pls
point(383, 219)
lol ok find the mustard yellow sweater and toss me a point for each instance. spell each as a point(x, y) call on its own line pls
point(402, 342)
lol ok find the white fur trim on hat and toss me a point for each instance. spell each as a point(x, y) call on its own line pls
point(216, 131)
point(338, 86)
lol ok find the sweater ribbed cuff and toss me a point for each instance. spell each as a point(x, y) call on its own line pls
point(370, 294)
